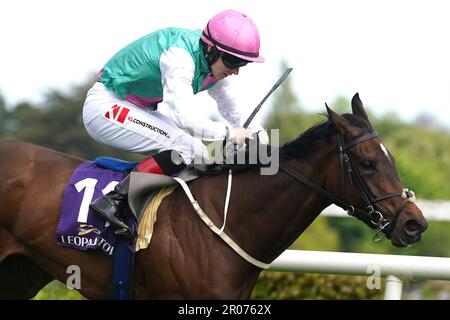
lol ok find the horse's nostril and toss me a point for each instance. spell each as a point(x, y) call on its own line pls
point(414, 227)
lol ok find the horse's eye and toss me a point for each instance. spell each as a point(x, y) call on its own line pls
point(366, 164)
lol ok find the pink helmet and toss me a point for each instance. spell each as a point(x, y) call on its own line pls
point(234, 33)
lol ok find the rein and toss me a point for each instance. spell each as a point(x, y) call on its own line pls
point(382, 224)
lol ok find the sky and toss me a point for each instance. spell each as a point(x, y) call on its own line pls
point(396, 54)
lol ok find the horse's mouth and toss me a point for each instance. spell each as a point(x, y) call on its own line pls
point(405, 241)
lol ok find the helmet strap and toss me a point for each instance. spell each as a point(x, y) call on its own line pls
point(212, 53)
point(212, 56)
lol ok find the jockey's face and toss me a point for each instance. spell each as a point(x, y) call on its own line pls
point(220, 71)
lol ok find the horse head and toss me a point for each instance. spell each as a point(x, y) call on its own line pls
point(369, 180)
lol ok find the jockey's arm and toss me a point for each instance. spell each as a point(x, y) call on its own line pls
point(224, 92)
point(177, 72)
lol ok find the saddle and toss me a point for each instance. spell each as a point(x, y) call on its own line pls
point(143, 186)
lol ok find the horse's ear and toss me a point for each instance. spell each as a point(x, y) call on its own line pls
point(358, 108)
point(342, 125)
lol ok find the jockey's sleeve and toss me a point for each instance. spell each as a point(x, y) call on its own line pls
point(229, 103)
point(177, 72)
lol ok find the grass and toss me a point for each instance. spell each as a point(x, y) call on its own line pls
point(56, 290)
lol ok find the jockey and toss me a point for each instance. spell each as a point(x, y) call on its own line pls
point(143, 97)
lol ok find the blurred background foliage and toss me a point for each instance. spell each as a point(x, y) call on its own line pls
point(421, 149)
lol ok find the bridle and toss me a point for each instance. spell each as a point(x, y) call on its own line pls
point(384, 226)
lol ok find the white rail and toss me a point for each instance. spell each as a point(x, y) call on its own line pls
point(392, 266)
point(411, 267)
point(371, 265)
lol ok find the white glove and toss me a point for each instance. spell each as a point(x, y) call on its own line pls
point(238, 135)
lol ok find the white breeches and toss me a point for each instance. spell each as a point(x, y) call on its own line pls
point(120, 124)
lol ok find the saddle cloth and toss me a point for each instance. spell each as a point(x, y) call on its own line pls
point(79, 228)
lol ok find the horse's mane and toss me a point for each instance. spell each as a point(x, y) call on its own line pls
point(307, 142)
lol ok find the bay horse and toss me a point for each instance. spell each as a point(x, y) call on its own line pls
point(339, 160)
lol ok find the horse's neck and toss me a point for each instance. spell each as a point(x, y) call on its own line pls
point(267, 213)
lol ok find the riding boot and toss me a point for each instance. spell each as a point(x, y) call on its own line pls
point(112, 205)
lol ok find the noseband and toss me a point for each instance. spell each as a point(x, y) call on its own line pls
point(375, 217)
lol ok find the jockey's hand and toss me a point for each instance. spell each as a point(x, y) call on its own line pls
point(263, 137)
point(239, 135)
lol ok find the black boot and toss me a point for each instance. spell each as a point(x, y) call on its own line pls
point(113, 205)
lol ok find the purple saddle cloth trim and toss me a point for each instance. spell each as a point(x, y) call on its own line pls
point(78, 227)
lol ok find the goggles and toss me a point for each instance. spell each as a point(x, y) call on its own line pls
point(231, 61)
